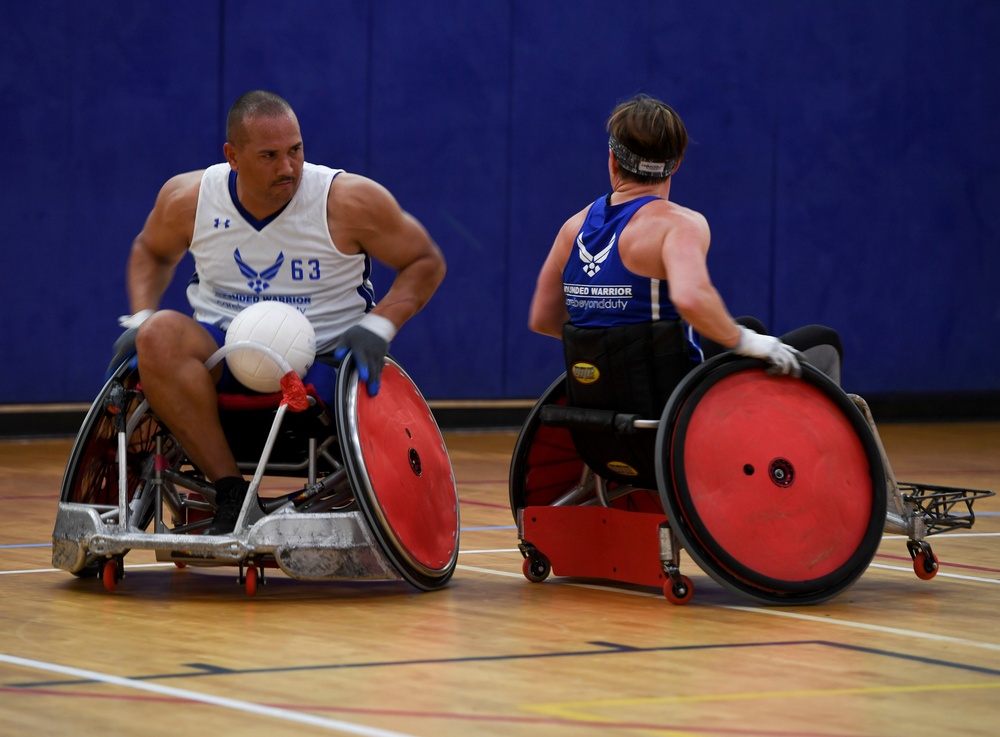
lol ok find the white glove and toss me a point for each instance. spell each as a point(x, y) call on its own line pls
point(783, 358)
point(134, 321)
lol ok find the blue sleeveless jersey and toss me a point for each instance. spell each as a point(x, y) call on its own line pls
point(600, 292)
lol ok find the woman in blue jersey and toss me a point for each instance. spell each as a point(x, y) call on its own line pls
point(633, 256)
point(261, 212)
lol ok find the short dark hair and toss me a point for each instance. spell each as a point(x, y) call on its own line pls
point(650, 130)
point(252, 104)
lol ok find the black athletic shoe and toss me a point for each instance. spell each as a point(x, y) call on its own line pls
point(229, 495)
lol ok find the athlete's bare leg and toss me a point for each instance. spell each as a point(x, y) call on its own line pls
point(172, 350)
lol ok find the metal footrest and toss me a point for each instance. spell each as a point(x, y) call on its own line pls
point(318, 547)
point(942, 508)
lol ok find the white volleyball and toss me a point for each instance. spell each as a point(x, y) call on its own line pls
point(282, 328)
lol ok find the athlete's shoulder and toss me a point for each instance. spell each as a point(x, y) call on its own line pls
point(347, 185)
point(691, 219)
point(672, 216)
point(170, 226)
point(185, 181)
point(663, 206)
point(320, 169)
point(180, 192)
point(575, 222)
point(355, 198)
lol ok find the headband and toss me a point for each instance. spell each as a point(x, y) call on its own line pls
point(635, 164)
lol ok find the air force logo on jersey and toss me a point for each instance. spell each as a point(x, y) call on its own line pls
point(259, 281)
point(592, 264)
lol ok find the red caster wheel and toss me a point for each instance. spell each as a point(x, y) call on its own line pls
point(926, 567)
point(111, 574)
point(536, 568)
point(678, 592)
point(251, 580)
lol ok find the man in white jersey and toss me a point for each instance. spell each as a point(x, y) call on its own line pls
point(266, 225)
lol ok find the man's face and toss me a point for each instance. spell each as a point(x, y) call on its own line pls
point(268, 158)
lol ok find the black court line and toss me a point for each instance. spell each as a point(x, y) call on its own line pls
point(916, 658)
point(201, 670)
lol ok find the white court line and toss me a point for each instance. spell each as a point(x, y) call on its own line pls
point(171, 565)
point(950, 535)
point(904, 569)
point(490, 571)
point(872, 565)
point(242, 706)
point(939, 573)
point(60, 570)
point(792, 615)
point(864, 626)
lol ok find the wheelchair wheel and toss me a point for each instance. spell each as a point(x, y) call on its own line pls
point(546, 466)
point(775, 486)
point(91, 475)
point(401, 473)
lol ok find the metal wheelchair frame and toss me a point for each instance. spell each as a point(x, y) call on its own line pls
point(333, 528)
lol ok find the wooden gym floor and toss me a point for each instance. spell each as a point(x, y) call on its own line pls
point(187, 652)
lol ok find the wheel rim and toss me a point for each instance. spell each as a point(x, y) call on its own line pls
point(92, 471)
point(400, 469)
point(771, 483)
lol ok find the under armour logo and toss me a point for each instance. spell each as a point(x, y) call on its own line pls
point(258, 281)
point(592, 264)
point(223, 223)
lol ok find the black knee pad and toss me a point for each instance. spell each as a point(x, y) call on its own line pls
point(811, 336)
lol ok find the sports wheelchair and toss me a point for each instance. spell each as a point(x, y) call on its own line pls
point(778, 488)
point(377, 498)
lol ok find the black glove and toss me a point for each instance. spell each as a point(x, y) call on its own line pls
point(369, 352)
point(124, 347)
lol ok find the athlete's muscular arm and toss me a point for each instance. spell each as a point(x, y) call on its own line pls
point(164, 240)
point(364, 216)
point(548, 311)
point(685, 250)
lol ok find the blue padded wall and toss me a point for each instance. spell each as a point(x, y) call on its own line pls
point(439, 119)
point(845, 155)
point(98, 115)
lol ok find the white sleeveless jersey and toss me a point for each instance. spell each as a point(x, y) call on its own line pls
point(290, 258)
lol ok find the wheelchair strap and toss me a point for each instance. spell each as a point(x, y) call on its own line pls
point(605, 420)
point(628, 368)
